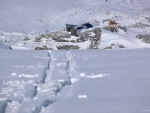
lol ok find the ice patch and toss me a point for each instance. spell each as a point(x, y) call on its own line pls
point(93, 75)
point(82, 96)
point(28, 76)
point(82, 75)
point(13, 74)
point(73, 80)
point(60, 64)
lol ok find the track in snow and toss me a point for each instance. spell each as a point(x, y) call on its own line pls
point(60, 72)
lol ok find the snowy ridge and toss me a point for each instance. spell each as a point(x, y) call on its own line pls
point(71, 65)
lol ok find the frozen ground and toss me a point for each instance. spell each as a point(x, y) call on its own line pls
point(81, 81)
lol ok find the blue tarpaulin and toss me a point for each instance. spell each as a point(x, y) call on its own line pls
point(87, 25)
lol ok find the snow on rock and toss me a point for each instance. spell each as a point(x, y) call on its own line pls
point(133, 15)
point(3, 46)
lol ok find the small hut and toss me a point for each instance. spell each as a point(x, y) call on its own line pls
point(76, 29)
point(113, 26)
point(70, 26)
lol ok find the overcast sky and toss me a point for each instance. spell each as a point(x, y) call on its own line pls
point(18, 14)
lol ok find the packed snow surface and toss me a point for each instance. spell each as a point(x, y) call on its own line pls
point(80, 81)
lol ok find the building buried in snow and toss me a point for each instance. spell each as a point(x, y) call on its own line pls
point(113, 26)
point(76, 29)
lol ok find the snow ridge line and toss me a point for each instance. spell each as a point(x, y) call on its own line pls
point(72, 78)
point(70, 68)
point(42, 80)
point(47, 82)
point(45, 91)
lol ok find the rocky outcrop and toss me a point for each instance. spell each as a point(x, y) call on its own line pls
point(93, 35)
point(112, 46)
point(144, 38)
point(64, 40)
point(42, 48)
point(67, 47)
point(57, 36)
point(95, 40)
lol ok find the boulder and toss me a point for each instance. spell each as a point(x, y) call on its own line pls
point(114, 46)
point(67, 47)
point(144, 38)
point(58, 35)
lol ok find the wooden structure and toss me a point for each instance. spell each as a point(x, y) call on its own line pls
point(113, 26)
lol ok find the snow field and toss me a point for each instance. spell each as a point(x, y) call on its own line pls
point(75, 81)
point(109, 81)
point(20, 74)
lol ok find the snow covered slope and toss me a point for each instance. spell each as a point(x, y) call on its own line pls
point(81, 81)
point(29, 19)
point(38, 16)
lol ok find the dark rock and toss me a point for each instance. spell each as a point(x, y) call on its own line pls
point(114, 46)
point(37, 39)
point(26, 39)
point(144, 38)
point(123, 28)
point(59, 34)
point(67, 47)
point(42, 48)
